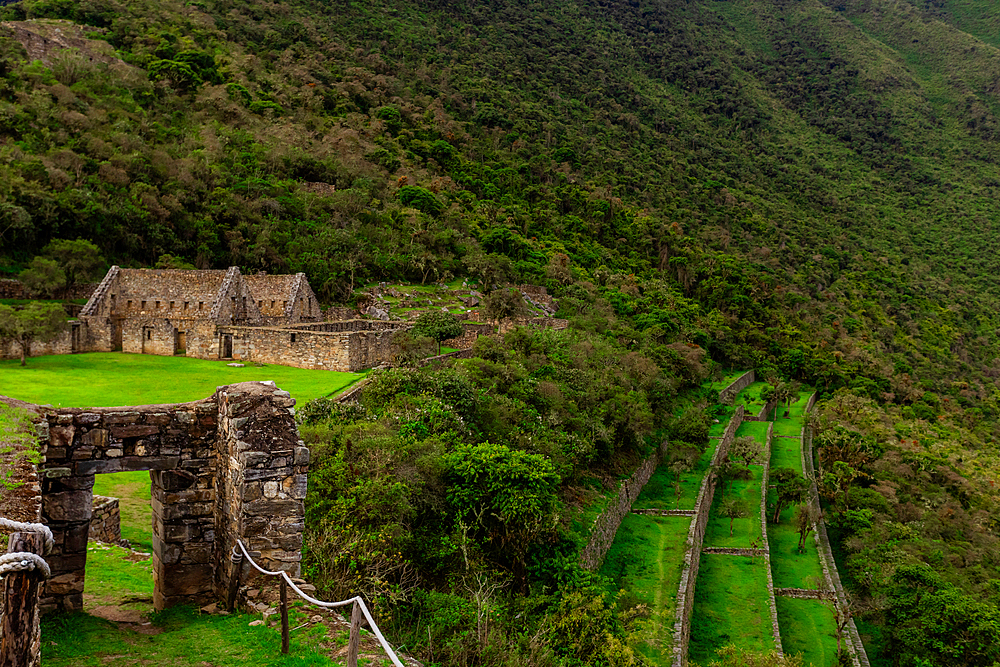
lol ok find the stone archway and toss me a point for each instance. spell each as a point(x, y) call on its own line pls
point(230, 466)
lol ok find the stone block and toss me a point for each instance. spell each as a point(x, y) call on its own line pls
point(197, 552)
point(158, 418)
point(82, 453)
point(130, 417)
point(301, 456)
point(168, 554)
point(271, 489)
point(184, 580)
point(150, 462)
point(55, 453)
point(61, 436)
point(60, 483)
point(67, 563)
point(64, 419)
point(290, 543)
point(97, 437)
point(252, 491)
point(295, 486)
point(87, 418)
point(65, 584)
point(266, 473)
point(274, 508)
point(53, 473)
point(174, 480)
point(134, 431)
point(178, 532)
point(67, 506)
point(98, 466)
point(75, 538)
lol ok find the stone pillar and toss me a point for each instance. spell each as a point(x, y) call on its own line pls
point(261, 484)
point(66, 508)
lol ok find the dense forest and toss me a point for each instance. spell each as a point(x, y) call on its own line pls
point(806, 188)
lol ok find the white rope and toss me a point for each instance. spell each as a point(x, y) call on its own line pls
point(23, 561)
point(320, 603)
point(18, 527)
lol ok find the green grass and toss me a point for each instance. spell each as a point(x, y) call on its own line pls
point(745, 530)
point(727, 379)
point(808, 628)
point(660, 493)
point(112, 379)
point(186, 638)
point(646, 559)
point(181, 636)
point(115, 578)
point(785, 454)
point(133, 492)
point(730, 606)
point(789, 568)
point(750, 397)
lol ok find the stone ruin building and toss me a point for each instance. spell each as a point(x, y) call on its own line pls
point(223, 468)
point(215, 314)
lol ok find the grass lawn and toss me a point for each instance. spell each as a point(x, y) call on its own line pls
point(750, 397)
point(133, 492)
point(730, 606)
point(104, 379)
point(808, 628)
point(660, 493)
point(790, 568)
point(785, 453)
point(646, 559)
point(120, 585)
point(745, 530)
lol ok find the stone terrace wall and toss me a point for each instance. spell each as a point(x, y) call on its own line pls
point(738, 385)
point(346, 350)
point(602, 535)
point(775, 631)
point(694, 542)
point(349, 325)
point(105, 521)
point(336, 314)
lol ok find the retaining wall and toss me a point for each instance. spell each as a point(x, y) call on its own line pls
point(738, 385)
point(859, 657)
point(694, 542)
point(105, 520)
point(775, 631)
point(602, 535)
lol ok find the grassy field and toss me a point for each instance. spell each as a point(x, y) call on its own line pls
point(660, 492)
point(111, 379)
point(730, 606)
point(785, 453)
point(745, 530)
point(806, 628)
point(133, 492)
point(646, 559)
point(790, 568)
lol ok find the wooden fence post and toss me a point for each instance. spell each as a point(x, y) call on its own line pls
point(19, 630)
point(352, 644)
point(236, 558)
point(284, 616)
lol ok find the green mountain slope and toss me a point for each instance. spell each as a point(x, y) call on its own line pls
point(803, 187)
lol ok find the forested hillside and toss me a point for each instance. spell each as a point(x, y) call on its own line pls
point(806, 188)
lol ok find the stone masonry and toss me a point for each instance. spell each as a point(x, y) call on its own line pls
point(105, 521)
point(226, 467)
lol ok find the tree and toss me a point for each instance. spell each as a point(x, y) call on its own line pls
point(681, 460)
point(43, 277)
point(438, 325)
point(504, 303)
point(745, 449)
point(837, 483)
point(36, 321)
point(732, 509)
point(80, 259)
point(805, 521)
point(168, 261)
point(790, 487)
point(728, 472)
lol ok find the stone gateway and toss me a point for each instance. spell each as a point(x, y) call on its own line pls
point(224, 468)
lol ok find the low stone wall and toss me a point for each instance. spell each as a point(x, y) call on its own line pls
point(458, 354)
point(859, 657)
point(335, 314)
point(775, 630)
point(737, 385)
point(471, 331)
point(805, 593)
point(694, 542)
point(309, 346)
point(602, 535)
point(105, 521)
point(735, 551)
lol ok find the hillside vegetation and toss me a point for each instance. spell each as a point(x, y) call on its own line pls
point(801, 187)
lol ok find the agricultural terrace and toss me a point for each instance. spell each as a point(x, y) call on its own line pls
point(807, 627)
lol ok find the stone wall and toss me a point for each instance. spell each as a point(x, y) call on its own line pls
point(694, 542)
point(471, 331)
point(602, 534)
point(737, 385)
point(227, 466)
point(305, 347)
point(775, 631)
point(262, 480)
point(169, 336)
point(105, 521)
point(337, 314)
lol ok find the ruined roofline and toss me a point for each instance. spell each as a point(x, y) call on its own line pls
point(101, 290)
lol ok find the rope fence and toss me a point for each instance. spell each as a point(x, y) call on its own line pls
point(358, 610)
